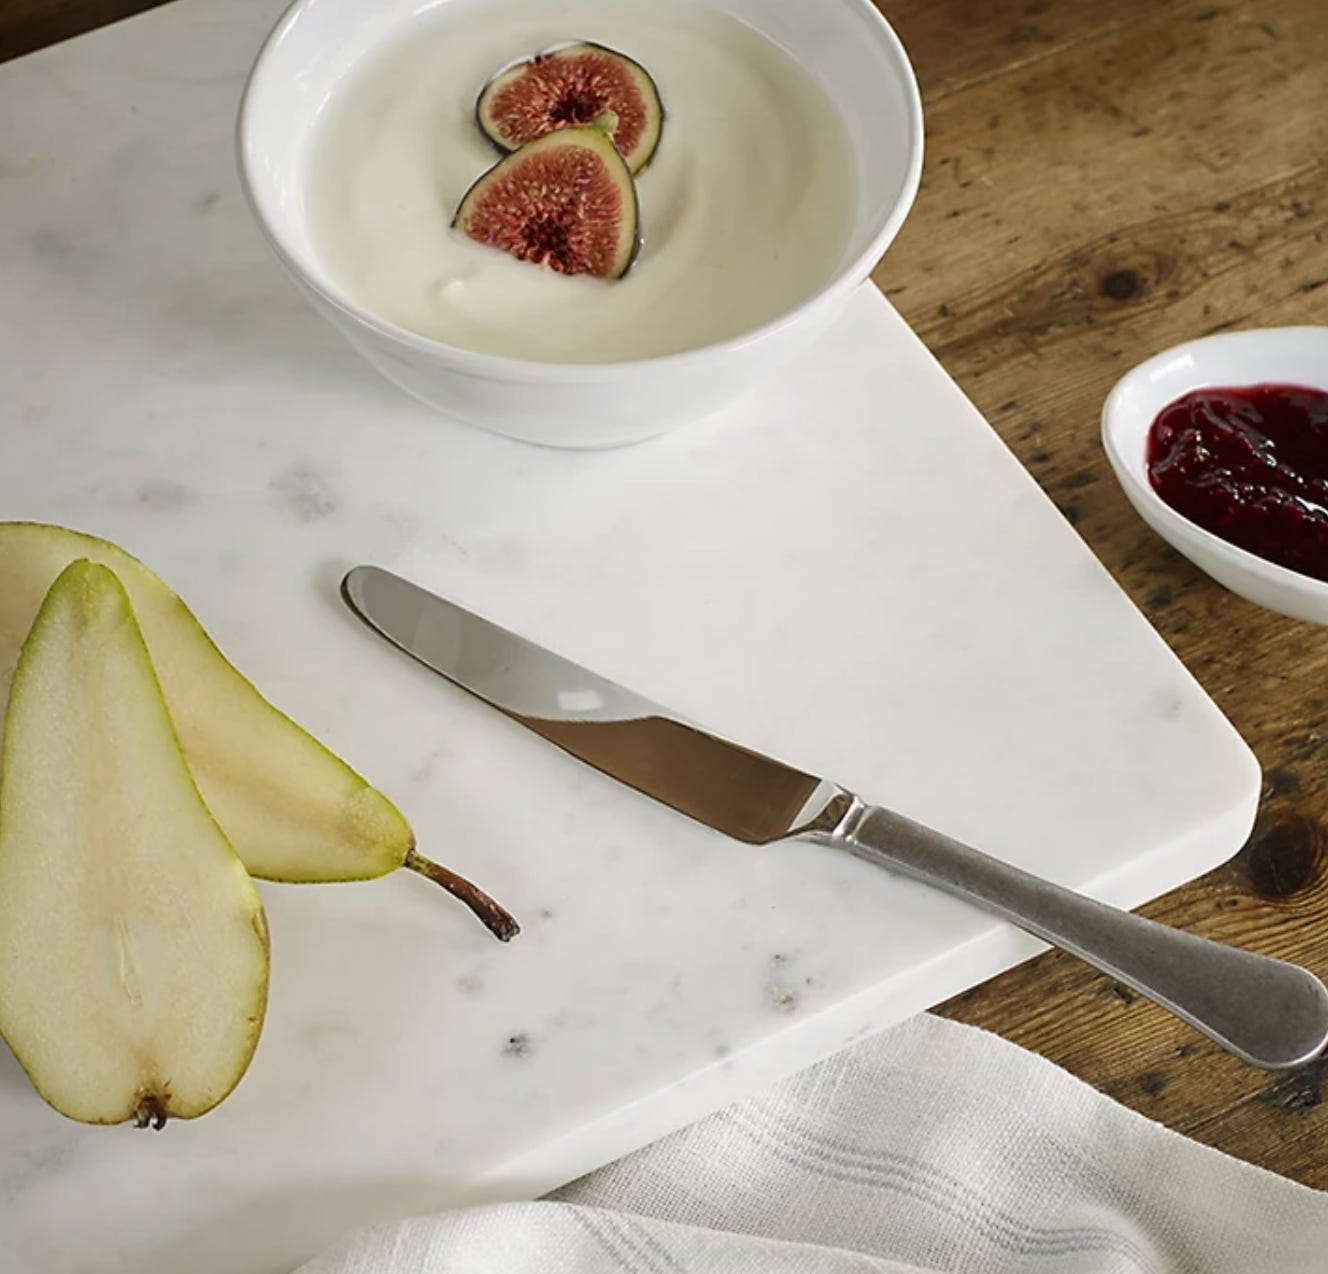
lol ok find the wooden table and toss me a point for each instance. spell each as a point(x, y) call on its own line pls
point(1102, 181)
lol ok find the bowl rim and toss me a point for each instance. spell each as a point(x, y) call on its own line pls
point(1131, 469)
point(500, 367)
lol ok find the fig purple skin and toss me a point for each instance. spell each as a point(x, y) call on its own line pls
point(566, 201)
point(571, 85)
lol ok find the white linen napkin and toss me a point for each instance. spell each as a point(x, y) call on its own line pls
point(933, 1147)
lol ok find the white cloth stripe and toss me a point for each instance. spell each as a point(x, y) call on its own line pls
point(932, 1149)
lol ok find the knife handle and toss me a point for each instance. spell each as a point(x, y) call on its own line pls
point(1269, 1013)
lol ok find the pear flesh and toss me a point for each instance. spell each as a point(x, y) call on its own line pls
point(133, 946)
point(292, 810)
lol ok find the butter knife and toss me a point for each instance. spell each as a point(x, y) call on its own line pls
point(1269, 1013)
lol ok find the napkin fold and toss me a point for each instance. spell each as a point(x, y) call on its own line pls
point(932, 1147)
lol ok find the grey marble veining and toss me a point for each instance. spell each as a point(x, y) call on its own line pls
point(848, 571)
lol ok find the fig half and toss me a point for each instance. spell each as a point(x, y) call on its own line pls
point(566, 201)
point(570, 85)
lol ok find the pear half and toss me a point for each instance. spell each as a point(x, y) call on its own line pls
point(133, 947)
point(293, 811)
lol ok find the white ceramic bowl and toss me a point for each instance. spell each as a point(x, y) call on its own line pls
point(844, 43)
point(1293, 355)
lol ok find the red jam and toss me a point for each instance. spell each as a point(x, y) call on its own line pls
point(1250, 465)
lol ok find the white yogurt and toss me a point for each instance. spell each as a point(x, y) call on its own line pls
point(746, 206)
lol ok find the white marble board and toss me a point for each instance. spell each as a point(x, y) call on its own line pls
point(848, 570)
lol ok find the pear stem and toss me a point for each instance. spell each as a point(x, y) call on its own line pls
point(497, 919)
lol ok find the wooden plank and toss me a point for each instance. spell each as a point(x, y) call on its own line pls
point(957, 44)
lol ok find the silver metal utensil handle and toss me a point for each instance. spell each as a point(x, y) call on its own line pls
point(1269, 1013)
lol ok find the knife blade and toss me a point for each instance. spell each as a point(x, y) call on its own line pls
point(740, 793)
point(1269, 1013)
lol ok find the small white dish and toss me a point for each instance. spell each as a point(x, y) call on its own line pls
point(1291, 355)
point(845, 44)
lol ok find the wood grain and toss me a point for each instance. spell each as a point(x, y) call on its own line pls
point(1103, 180)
